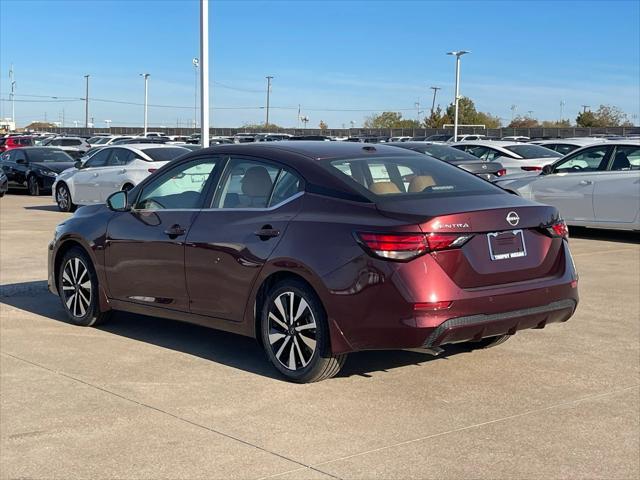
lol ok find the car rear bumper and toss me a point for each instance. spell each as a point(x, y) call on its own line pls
point(475, 327)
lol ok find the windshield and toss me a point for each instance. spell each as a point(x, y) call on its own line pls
point(402, 176)
point(102, 141)
point(93, 139)
point(165, 154)
point(48, 155)
point(438, 138)
point(532, 151)
point(448, 154)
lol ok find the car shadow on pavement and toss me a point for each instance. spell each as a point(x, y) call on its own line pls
point(44, 208)
point(618, 236)
point(221, 347)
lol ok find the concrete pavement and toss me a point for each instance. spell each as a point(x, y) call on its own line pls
point(144, 397)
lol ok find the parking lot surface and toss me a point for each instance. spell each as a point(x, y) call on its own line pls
point(143, 397)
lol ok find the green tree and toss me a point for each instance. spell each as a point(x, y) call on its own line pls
point(468, 115)
point(556, 124)
point(389, 120)
point(261, 126)
point(605, 116)
point(524, 122)
point(437, 119)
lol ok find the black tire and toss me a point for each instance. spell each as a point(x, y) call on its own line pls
point(33, 186)
point(282, 338)
point(63, 199)
point(78, 289)
point(489, 342)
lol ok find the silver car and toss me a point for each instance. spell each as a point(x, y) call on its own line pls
point(515, 157)
point(595, 186)
point(567, 145)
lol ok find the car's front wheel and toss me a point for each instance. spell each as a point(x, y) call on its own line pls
point(78, 289)
point(63, 199)
point(295, 333)
point(33, 186)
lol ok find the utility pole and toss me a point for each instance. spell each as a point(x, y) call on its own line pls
point(196, 63)
point(86, 103)
point(561, 109)
point(514, 107)
point(146, 81)
point(584, 108)
point(457, 54)
point(12, 82)
point(269, 78)
point(530, 112)
point(433, 103)
point(298, 122)
point(417, 104)
point(204, 73)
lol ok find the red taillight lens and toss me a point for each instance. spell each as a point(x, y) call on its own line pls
point(532, 169)
point(559, 229)
point(405, 246)
point(501, 172)
point(430, 306)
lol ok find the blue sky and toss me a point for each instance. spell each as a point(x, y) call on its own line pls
point(341, 60)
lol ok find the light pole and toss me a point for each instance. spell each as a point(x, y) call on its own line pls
point(196, 63)
point(108, 122)
point(457, 54)
point(13, 96)
point(86, 102)
point(269, 78)
point(435, 91)
point(204, 73)
point(513, 111)
point(562, 103)
point(417, 105)
point(146, 81)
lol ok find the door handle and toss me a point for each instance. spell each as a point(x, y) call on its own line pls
point(175, 231)
point(586, 182)
point(123, 171)
point(267, 232)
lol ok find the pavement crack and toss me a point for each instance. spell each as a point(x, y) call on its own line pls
point(303, 466)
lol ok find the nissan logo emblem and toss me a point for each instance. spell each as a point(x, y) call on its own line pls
point(513, 218)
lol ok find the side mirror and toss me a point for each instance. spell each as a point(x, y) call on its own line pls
point(547, 169)
point(78, 164)
point(118, 202)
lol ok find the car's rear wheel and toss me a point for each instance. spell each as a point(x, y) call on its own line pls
point(33, 186)
point(63, 198)
point(78, 288)
point(295, 333)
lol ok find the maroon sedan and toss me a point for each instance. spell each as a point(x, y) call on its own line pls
point(318, 249)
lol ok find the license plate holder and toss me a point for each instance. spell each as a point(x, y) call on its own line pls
point(506, 245)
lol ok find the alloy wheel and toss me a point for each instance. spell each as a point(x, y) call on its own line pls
point(34, 189)
point(76, 287)
point(62, 197)
point(292, 331)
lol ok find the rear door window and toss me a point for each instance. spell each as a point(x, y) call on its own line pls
point(625, 158)
point(99, 159)
point(120, 156)
point(590, 160)
point(247, 184)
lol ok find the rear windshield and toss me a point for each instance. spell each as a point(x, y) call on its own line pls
point(532, 151)
point(439, 138)
point(418, 175)
point(448, 154)
point(48, 155)
point(165, 154)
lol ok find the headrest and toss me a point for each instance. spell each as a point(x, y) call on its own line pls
point(256, 182)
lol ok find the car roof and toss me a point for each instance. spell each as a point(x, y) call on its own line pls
point(571, 141)
point(142, 146)
point(316, 150)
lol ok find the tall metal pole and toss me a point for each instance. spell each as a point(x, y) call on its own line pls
point(86, 103)
point(269, 78)
point(561, 109)
point(13, 96)
point(196, 63)
point(204, 72)
point(146, 81)
point(435, 91)
point(457, 98)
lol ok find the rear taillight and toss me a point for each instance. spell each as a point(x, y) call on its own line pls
point(532, 169)
point(406, 246)
point(501, 172)
point(431, 306)
point(559, 229)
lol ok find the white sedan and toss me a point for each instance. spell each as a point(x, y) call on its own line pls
point(110, 169)
point(596, 186)
point(515, 157)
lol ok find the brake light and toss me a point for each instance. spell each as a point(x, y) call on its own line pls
point(501, 172)
point(532, 169)
point(430, 306)
point(559, 229)
point(406, 246)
